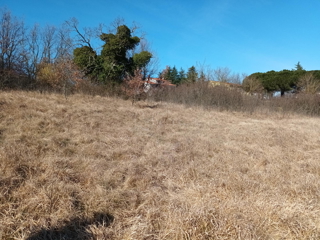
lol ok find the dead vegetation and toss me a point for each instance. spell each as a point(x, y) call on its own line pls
point(232, 98)
point(101, 168)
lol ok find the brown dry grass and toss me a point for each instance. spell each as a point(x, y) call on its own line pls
point(100, 168)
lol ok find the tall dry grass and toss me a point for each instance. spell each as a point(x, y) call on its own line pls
point(99, 168)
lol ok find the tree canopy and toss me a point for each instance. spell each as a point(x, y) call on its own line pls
point(179, 77)
point(298, 67)
point(192, 74)
point(115, 61)
point(282, 81)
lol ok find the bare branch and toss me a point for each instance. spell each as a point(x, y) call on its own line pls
point(309, 84)
point(83, 38)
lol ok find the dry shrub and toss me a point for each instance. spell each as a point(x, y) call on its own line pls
point(252, 86)
point(87, 87)
point(303, 104)
point(133, 86)
point(309, 84)
point(234, 99)
point(62, 76)
point(11, 79)
point(203, 94)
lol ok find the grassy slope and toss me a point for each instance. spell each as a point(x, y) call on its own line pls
point(100, 168)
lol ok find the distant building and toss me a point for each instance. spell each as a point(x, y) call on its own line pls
point(225, 84)
point(154, 83)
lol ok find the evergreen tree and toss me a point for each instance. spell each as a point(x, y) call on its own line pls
point(166, 73)
point(299, 67)
point(174, 77)
point(113, 63)
point(202, 76)
point(282, 81)
point(86, 58)
point(181, 76)
point(192, 75)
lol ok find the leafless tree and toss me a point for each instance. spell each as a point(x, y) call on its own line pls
point(236, 78)
point(45, 45)
point(152, 67)
point(65, 43)
point(32, 53)
point(49, 43)
point(120, 21)
point(85, 36)
point(206, 73)
point(12, 38)
point(309, 84)
point(252, 85)
point(224, 74)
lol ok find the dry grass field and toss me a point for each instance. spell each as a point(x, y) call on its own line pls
point(101, 168)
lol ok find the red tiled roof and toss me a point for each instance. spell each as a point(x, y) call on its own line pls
point(159, 81)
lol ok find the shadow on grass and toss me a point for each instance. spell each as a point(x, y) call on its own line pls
point(73, 229)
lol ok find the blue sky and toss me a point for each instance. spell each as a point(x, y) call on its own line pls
point(246, 36)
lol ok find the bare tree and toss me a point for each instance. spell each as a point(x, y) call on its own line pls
point(12, 38)
point(309, 84)
point(49, 42)
point(224, 74)
point(120, 21)
point(45, 45)
point(85, 36)
point(206, 73)
point(65, 43)
point(252, 85)
point(33, 52)
point(152, 67)
point(22, 51)
point(236, 78)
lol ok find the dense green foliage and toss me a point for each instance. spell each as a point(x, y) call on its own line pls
point(192, 74)
point(85, 58)
point(114, 62)
point(282, 81)
point(172, 75)
point(315, 73)
point(179, 77)
point(141, 59)
point(299, 67)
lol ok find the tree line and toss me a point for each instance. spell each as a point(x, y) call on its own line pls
point(181, 76)
point(59, 56)
point(53, 56)
point(56, 56)
point(295, 80)
point(25, 52)
point(201, 73)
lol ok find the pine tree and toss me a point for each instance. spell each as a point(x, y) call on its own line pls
point(299, 67)
point(192, 75)
point(174, 77)
point(181, 76)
